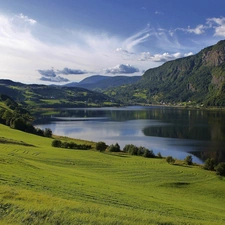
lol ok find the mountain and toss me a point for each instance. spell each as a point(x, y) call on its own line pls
point(93, 79)
point(42, 96)
point(198, 78)
point(99, 82)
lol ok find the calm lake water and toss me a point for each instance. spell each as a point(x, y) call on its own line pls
point(170, 131)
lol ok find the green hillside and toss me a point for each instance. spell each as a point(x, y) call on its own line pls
point(40, 184)
point(43, 96)
point(199, 79)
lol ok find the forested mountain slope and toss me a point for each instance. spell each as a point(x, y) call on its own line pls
point(199, 78)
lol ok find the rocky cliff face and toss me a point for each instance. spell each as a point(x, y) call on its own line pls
point(214, 55)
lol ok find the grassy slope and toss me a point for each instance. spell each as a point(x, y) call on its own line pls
point(45, 185)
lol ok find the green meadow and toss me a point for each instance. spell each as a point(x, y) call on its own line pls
point(40, 184)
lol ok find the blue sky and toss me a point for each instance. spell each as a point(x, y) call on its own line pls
point(61, 41)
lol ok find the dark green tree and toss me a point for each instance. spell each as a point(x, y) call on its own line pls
point(48, 132)
point(101, 146)
point(170, 159)
point(18, 123)
point(220, 169)
point(114, 148)
point(188, 160)
point(209, 164)
point(159, 155)
point(56, 143)
point(39, 132)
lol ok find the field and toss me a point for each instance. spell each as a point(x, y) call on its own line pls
point(40, 184)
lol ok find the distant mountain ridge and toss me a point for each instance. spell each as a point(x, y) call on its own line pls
point(198, 78)
point(100, 82)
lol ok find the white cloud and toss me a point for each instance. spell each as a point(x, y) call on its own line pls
point(159, 13)
point(27, 19)
point(188, 54)
point(50, 76)
point(199, 29)
point(218, 24)
point(130, 43)
point(122, 69)
point(147, 56)
point(47, 73)
point(67, 71)
point(57, 79)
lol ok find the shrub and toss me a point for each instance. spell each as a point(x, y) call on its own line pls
point(39, 132)
point(170, 159)
point(209, 164)
point(48, 132)
point(159, 155)
point(148, 153)
point(101, 146)
point(131, 149)
point(188, 160)
point(220, 169)
point(56, 143)
point(114, 148)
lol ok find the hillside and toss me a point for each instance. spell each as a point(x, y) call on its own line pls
point(42, 96)
point(101, 83)
point(199, 78)
point(40, 184)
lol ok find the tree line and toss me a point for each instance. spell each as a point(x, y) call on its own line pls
point(70, 145)
point(18, 118)
point(131, 149)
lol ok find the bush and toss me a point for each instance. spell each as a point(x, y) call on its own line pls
point(209, 164)
point(114, 148)
point(70, 145)
point(48, 132)
point(148, 153)
point(188, 160)
point(56, 143)
point(220, 169)
point(159, 155)
point(131, 149)
point(170, 159)
point(101, 146)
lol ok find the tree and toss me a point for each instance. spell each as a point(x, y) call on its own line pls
point(18, 123)
point(39, 132)
point(220, 169)
point(209, 164)
point(170, 159)
point(114, 148)
point(7, 116)
point(188, 160)
point(56, 143)
point(131, 149)
point(101, 146)
point(48, 132)
point(159, 155)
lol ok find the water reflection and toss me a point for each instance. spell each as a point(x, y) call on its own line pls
point(170, 131)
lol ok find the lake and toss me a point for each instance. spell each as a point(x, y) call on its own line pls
point(170, 131)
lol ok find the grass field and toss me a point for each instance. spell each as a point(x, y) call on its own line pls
point(40, 184)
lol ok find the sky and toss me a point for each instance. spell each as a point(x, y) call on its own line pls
point(63, 41)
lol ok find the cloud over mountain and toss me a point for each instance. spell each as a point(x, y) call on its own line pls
point(67, 71)
point(50, 76)
point(147, 56)
point(122, 69)
point(57, 79)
